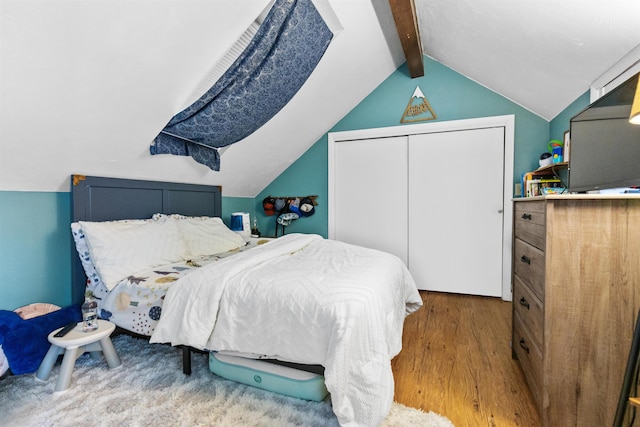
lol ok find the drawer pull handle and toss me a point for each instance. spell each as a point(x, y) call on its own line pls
point(523, 345)
point(524, 303)
point(526, 216)
point(525, 259)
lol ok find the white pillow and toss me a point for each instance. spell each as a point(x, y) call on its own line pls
point(205, 235)
point(119, 249)
point(93, 278)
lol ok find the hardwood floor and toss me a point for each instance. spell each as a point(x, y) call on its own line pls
point(456, 361)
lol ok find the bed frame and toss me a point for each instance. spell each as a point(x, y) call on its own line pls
point(103, 199)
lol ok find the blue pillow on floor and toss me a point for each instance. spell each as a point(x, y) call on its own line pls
point(24, 342)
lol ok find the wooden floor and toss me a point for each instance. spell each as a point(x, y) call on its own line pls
point(456, 361)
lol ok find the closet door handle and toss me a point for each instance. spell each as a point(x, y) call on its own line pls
point(525, 259)
point(523, 345)
point(526, 216)
point(524, 303)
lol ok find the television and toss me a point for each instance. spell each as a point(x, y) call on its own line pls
point(605, 148)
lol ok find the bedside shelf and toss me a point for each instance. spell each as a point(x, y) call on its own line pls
point(551, 169)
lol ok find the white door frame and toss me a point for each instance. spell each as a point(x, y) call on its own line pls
point(507, 122)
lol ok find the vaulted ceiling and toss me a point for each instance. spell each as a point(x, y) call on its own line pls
point(540, 54)
point(103, 77)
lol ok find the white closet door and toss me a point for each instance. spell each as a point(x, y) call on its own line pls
point(370, 194)
point(456, 210)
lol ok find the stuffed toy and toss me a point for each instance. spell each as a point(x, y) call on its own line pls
point(24, 341)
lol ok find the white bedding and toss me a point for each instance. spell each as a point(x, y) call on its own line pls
point(303, 299)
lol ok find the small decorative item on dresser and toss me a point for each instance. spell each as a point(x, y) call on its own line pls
point(89, 313)
point(556, 149)
point(545, 159)
point(567, 146)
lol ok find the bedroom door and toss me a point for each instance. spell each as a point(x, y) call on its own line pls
point(456, 211)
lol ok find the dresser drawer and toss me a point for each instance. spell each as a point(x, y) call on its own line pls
point(530, 357)
point(528, 264)
point(529, 309)
point(529, 222)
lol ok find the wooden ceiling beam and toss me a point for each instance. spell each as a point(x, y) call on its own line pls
point(404, 15)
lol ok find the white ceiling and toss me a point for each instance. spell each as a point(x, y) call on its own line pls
point(108, 75)
point(540, 54)
point(357, 61)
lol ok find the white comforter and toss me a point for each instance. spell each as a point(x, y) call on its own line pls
point(303, 299)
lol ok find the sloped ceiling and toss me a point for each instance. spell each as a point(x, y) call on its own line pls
point(540, 54)
point(102, 77)
point(356, 62)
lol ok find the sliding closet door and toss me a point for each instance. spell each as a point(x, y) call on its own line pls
point(370, 194)
point(456, 210)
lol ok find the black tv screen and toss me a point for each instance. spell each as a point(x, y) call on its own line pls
point(605, 147)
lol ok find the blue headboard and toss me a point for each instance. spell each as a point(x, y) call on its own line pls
point(104, 199)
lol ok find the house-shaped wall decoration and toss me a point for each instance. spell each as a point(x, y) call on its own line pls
point(418, 109)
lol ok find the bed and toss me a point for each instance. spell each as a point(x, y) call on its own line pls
point(299, 298)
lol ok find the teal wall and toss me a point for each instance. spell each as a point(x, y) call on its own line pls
point(236, 204)
point(560, 124)
point(306, 177)
point(451, 95)
point(35, 247)
point(35, 241)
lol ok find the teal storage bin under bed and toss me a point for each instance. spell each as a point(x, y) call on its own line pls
point(269, 376)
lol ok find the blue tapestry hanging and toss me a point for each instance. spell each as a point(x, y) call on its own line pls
point(274, 66)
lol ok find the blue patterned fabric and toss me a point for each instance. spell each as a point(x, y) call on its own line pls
point(276, 63)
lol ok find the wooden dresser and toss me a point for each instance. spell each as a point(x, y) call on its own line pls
point(576, 295)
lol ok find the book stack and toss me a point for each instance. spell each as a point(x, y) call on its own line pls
point(537, 185)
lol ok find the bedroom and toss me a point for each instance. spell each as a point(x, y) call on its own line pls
point(71, 83)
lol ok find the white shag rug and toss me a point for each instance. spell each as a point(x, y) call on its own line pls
point(149, 389)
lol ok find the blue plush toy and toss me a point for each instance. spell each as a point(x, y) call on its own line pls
point(24, 342)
